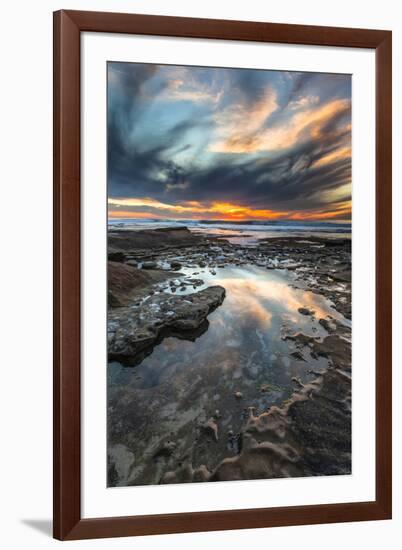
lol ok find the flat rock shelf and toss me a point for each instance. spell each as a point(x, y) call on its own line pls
point(229, 358)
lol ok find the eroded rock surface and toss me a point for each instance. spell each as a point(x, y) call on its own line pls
point(309, 435)
point(131, 330)
point(126, 283)
point(284, 408)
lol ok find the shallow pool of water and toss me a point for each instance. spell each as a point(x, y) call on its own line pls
point(243, 349)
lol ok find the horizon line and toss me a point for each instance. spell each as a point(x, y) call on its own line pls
point(249, 221)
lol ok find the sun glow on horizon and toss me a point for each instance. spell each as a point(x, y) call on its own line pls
point(217, 210)
point(228, 144)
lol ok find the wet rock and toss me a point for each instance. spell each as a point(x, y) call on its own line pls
point(265, 388)
point(175, 264)
point(201, 474)
point(160, 315)
point(147, 239)
point(113, 300)
point(234, 443)
point(297, 355)
point(126, 283)
point(165, 450)
point(116, 256)
point(132, 263)
point(195, 282)
point(297, 381)
point(307, 435)
point(185, 473)
point(310, 435)
point(210, 428)
point(149, 265)
point(328, 324)
point(305, 311)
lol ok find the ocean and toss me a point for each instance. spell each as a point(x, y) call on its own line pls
point(245, 231)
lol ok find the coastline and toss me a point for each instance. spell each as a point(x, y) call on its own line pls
point(169, 270)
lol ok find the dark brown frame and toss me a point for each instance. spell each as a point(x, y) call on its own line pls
point(68, 26)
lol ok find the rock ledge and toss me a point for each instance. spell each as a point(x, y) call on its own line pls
point(132, 330)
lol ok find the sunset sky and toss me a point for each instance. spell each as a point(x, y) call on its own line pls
point(228, 144)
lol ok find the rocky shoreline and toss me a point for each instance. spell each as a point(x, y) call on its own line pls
point(309, 435)
point(157, 289)
point(324, 265)
point(136, 329)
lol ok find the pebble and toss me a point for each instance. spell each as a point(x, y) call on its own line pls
point(305, 311)
point(149, 265)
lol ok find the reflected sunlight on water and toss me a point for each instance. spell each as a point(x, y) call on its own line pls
point(246, 333)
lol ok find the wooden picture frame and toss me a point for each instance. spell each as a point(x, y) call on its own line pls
point(68, 26)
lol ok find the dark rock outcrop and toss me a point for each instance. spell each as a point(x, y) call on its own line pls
point(133, 330)
point(125, 241)
point(308, 435)
point(124, 281)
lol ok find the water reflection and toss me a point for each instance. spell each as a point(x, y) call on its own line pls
point(183, 383)
point(245, 334)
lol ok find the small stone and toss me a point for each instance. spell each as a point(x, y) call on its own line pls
point(174, 264)
point(305, 311)
point(149, 265)
point(116, 256)
point(238, 394)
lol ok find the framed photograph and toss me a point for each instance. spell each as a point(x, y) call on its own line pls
point(222, 270)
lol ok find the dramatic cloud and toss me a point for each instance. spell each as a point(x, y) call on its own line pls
point(194, 142)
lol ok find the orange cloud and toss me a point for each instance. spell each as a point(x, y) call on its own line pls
point(180, 90)
point(236, 212)
point(342, 210)
point(339, 154)
point(219, 211)
point(238, 123)
point(225, 210)
point(191, 206)
point(308, 123)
